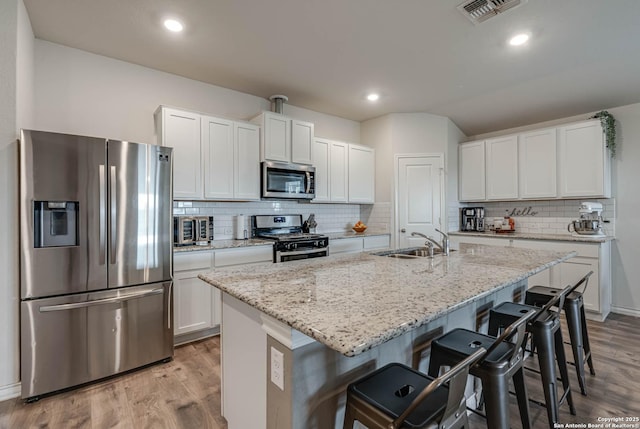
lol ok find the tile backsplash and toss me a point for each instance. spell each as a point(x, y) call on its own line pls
point(548, 216)
point(330, 217)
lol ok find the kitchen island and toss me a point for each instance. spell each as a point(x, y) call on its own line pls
point(295, 334)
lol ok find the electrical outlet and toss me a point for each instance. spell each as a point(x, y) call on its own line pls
point(277, 368)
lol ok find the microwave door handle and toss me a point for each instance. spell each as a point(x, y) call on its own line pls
point(102, 251)
point(114, 215)
point(308, 174)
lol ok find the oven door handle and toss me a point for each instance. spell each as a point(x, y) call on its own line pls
point(305, 252)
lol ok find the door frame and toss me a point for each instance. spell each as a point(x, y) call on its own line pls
point(395, 236)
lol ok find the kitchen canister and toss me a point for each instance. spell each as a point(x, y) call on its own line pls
point(241, 228)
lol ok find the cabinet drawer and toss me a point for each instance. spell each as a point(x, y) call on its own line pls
point(345, 245)
point(489, 241)
point(245, 255)
point(199, 260)
point(377, 242)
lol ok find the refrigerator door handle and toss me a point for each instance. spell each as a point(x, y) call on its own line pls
point(170, 301)
point(116, 299)
point(102, 251)
point(114, 215)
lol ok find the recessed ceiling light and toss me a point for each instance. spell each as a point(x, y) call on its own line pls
point(373, 97)
point(173, 25)
point(519, 39)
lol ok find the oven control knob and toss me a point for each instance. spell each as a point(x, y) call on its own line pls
point(291, 246)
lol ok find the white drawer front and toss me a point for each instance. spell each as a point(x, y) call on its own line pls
point(377, 242)
point(199, 260)
point(345, 245)
point(245, 255)
point(584, 249)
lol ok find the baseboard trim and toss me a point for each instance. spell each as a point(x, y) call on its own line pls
point(10, 391)
point(625, 311)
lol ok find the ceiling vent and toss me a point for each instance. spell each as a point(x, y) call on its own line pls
point(480, 10)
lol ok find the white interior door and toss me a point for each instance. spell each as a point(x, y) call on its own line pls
point(419, 198)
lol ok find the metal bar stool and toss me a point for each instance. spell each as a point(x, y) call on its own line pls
point(547, 340)
point(576, 323)
point(504, 360)
point(394, 396)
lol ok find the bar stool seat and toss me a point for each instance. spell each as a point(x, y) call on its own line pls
point(576, 325)
point(503, 361)
point(397, 396)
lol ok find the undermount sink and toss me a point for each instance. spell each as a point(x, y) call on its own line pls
point(411, 253)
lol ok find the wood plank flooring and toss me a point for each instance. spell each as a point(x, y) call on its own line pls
point(185, 393)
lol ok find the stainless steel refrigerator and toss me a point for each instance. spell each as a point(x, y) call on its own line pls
point(95, 260)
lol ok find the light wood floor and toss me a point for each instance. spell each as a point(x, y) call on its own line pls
point(185, 393)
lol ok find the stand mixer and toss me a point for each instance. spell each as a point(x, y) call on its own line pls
point(590, 222)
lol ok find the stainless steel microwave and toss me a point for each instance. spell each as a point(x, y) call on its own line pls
point(288, 181)
point(192, 230)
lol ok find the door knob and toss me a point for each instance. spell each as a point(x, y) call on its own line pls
point(403, 230)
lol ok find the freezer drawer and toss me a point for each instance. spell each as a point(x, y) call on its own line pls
point(70, 340)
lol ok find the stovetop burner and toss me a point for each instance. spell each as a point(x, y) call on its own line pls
point(292, 236)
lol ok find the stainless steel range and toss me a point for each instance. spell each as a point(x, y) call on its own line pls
point(290, 242)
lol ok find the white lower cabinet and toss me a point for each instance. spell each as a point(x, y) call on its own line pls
point(193, 299)
point(197, 305)
point(594, 257)
point(359, 244)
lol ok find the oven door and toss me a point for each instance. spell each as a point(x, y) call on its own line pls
point(281, 180)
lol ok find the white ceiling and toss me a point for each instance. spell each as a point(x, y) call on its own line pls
point(421, 55)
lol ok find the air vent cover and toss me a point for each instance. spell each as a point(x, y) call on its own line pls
point(480, 10)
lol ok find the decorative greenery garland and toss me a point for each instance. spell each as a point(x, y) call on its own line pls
point(609, 128)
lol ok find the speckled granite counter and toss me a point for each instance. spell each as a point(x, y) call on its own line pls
point(353, 234)
point(351, 303)
point(534, 236)
point(224, 244)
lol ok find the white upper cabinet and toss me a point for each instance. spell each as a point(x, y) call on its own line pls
point(218, 161)
point(583, 163)
point(502, 168)
point(571, 161)
point(246, 161)
point(285, 139)
point(471, 171)
point(537, 164)
point(301, 142)
point(361, 174)
point(332, 170)
point(181, 131)
point(217, 141)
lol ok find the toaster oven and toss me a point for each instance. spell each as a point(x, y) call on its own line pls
point(192, 230)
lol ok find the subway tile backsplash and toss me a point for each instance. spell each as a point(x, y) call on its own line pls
point(330, 217)
point(546, 216)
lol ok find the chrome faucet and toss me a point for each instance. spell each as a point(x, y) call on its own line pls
point(445, 241)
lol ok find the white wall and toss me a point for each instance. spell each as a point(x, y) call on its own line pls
point(16, 103)
point(411, 133)
point(625, 179)
point(82, 93)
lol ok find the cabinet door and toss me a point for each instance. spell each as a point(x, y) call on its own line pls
point(301, 142)
point(217, 138)
point(573, 270)
point(471, 171)
point(247, 161)
point(346, 245)
point(583, 161)
point(361, 174)
point(277, 137)
point(181, 131)
point(192, 303)
point(321, 163)
point(338, 172)
point(502, 168)
point(537, 164)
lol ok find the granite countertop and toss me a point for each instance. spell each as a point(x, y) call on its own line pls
point(353, 302)
point(224, 244)
point(352, 234)
point(535, 236)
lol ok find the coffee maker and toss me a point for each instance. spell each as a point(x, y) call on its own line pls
point(472, 219)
